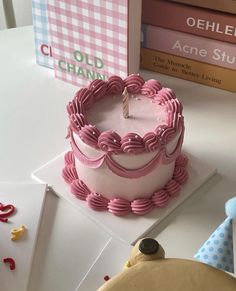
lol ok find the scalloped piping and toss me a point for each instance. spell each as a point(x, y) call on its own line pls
point(122, 207)
point(121, 171)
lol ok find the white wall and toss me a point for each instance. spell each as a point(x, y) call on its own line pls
point(2, 19)
point(23, 13)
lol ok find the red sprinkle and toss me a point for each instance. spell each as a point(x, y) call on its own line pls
point(5, 211)
point(106, 278)
point(11, 262)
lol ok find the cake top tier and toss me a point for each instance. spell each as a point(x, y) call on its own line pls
point(95, 115)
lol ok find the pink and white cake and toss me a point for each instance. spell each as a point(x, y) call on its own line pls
point(122, 164)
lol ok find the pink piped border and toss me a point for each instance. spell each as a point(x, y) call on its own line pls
point(120, 206)
point(132, 143)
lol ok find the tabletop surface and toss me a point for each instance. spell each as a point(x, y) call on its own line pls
point(33, 126)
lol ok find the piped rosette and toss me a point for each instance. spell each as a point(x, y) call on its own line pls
point(79, 189)
point(150, 87)
point(110, 141)
point(97, 202)
point(115, 85)
point(121, 206)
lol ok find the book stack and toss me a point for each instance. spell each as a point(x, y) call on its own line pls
point(192, 40)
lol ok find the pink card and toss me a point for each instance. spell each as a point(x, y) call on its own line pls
point(89, 39)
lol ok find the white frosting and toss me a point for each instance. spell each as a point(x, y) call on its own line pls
point(144, 116)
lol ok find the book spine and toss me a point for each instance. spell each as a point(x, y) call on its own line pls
point(190, 19)
point(186, 69)
point(225, 5)
point(190, 46)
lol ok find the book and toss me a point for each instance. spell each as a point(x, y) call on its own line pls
point(187, 69)
point(190, 19)
point(194, 47)
point(221, 5)
point(43, 49)
point(94, 39)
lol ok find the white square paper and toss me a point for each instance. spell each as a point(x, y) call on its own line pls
point(28, 199)
point(109, 263)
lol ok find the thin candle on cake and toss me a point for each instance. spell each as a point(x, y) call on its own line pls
point(125, 103)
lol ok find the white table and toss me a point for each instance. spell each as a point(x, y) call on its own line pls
point(33, 126)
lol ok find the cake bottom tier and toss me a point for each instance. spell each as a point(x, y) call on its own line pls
point(120, 206)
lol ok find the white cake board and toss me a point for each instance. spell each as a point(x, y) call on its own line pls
point(28, 200)
point(110, 262)
point(131, 227)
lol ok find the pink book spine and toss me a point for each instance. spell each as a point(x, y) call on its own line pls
point(189, 46)
point(190, 19)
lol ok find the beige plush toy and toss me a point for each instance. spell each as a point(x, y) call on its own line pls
point(148, 270)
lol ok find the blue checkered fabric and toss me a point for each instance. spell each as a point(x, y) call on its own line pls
point(41, 32)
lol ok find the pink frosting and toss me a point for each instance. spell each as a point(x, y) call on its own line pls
point(89, 134)
point(177, 121)
point(69, 173)
point(134, 83)
point(77, 121)
point(99, 89)
point(165, 133)
point(180, 175)
point(167, 94)
point(160, 198)
point(97, 202)
point(151, 87)
point(151, 141)
point(115, 85)
point(173, 188)
point(164, 95)
point(174, 105)
point(69, 158)
point(142, 206)
point(85, 96)
point(110, 141)
point(75, 106)
point(132, 143)
point(174, 116)
point(121, 171)
point(119, 206)
point(79, 189)
point(182, 160)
